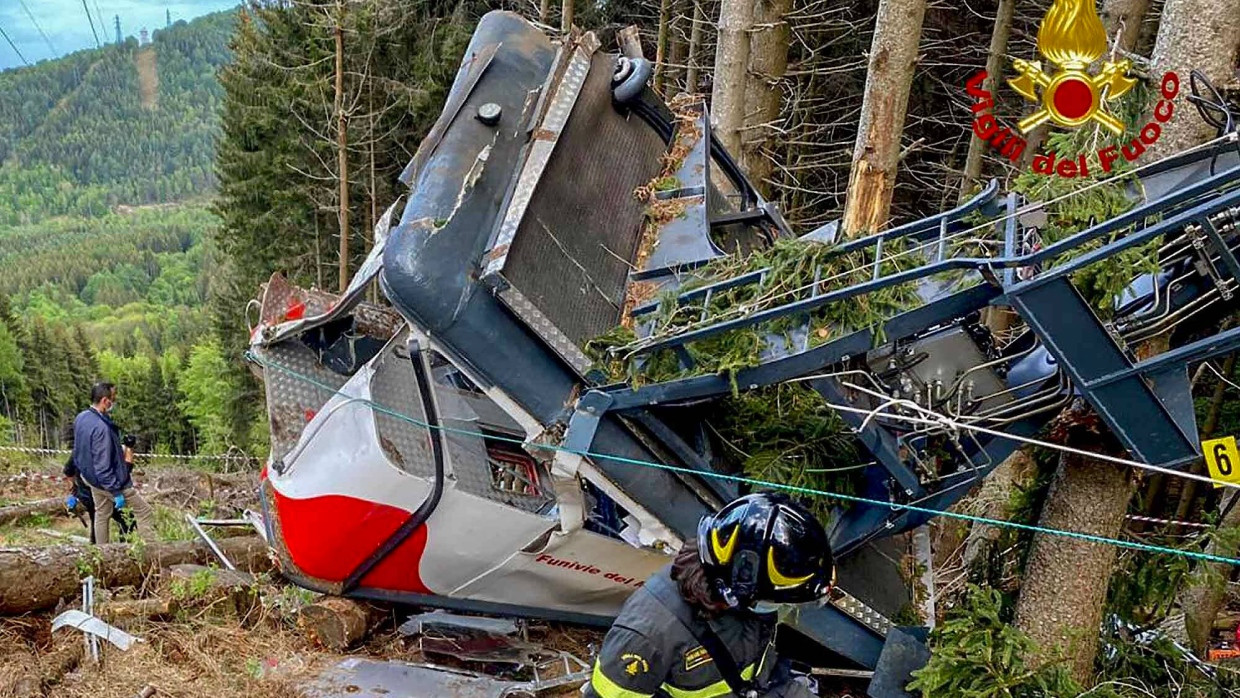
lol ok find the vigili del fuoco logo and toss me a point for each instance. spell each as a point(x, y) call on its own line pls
point(1068, 94)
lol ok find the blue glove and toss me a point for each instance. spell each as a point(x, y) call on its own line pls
point(119, 500)
point(71, 502)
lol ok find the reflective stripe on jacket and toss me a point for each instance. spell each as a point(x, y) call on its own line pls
point(649, 652)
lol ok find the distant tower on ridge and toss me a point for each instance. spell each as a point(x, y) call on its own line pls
point(167, 17)
point(117, 19)
point(143, 40)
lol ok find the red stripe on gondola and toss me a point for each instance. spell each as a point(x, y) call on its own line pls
point(329, 536)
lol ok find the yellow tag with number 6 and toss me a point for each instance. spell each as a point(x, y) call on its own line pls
point(1223, 459)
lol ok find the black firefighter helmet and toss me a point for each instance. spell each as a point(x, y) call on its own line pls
point(766, 547)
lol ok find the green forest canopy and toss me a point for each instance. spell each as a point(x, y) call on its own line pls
point(107, 161)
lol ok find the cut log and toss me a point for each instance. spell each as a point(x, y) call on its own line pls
point(18, 512)
point(136, 609)
point(35, 579)
point(338, 623)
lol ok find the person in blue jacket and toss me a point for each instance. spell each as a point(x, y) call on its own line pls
point(100, 461)
point(79, 494)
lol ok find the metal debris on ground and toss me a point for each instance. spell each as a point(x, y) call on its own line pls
point(89, 624)
point(214, 548)
point(416, 625)
point(356, 677)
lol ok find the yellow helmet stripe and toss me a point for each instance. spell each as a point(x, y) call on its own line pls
point(723, 552)
point(777, 578)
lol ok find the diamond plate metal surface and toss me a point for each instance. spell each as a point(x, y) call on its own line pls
point(860, 612)
point(395, 388)
point(545, 138)
point(542, 325)
point(291, 399)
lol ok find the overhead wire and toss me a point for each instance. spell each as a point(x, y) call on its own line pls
point(739, 479)
point(35, 22)
point(91, 19)
point(13, 46)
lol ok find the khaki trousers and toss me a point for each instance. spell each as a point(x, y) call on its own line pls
point(103, 513)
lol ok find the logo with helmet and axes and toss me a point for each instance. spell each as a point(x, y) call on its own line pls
point(1073, 89)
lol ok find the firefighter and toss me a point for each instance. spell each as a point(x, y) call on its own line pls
point(692, 630)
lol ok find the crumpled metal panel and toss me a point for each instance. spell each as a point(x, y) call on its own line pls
point(357, 677)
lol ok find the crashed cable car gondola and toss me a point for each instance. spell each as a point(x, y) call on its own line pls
point(445, 450)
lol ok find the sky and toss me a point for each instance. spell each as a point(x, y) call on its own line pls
point(64, 22)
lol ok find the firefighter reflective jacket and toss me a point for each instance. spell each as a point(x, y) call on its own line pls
point(650, 652)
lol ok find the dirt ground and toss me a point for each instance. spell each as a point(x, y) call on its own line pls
point(204, 648)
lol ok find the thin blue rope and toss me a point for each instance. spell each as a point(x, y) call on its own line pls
point(1089, 537)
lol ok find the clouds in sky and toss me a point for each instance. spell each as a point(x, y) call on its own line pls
point(64, 22)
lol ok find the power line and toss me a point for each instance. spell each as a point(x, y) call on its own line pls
point(43, 34)
point(13, 45)
point(92, 24)
point(99, 16)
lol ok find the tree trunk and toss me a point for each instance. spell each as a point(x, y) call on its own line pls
point(995, 502)
point(566, 16)
point(1208, 427)
point(660, 46)
point(676, 42)
point(35, 579)
point(17, 512)
point(342, 151)
point(893, 57)
point(727, 100)
point(1203, 599)
point(338, 623)
point(695, 47)
point(544, 11)
point(1124, 17)
point(994, 69)
point(1194, 34)
point(1065, 580)
point(768, 61)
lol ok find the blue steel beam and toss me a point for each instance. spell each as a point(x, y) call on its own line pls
point(1049, 253)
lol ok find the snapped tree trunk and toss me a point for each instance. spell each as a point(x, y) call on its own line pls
point(727, 99)
point(876, 154)
point(994, 69)
point(35, 579)
point(1122, 19)
point(768, 62)
point(1194, 34)
point(338, 623)
point(1065, 582)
